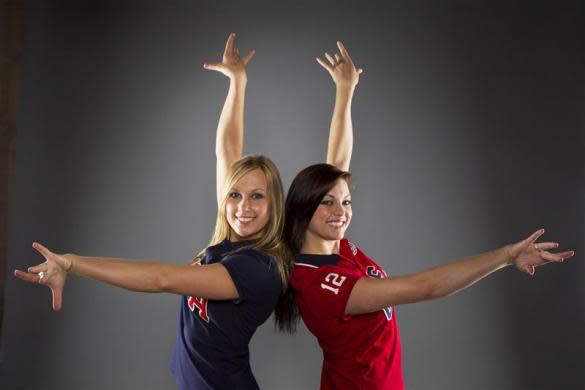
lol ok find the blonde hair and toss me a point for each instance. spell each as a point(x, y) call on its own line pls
point(271, 241)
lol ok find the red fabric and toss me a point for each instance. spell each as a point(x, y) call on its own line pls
point(360, 351)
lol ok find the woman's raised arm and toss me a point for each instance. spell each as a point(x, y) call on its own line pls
point(345, 76)
point(369, 295)
point(229, 141)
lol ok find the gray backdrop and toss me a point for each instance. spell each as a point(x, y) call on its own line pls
point(468, 135)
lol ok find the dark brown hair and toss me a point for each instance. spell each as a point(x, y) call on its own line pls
point(304, 195)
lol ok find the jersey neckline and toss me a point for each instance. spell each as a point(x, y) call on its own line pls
point(316, 260)
point(237, 244)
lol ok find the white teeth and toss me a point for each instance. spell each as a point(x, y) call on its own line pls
point(245, 219)
point(336, 223)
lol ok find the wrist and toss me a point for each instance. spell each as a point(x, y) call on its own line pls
point(239, 79)
point(69, 260)
point(506, 254)
point(345, 87)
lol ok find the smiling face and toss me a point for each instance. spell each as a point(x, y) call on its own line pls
point(248, 206)
point(332, 216)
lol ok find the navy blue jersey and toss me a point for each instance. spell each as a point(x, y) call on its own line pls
point(211, 351)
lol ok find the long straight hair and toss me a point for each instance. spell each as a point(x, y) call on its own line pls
point(304, 195)
point(271, 241)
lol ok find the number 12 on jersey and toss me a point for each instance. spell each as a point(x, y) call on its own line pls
point(332, 282)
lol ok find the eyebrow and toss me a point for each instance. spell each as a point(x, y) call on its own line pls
point(254, 190)
point(345, 197)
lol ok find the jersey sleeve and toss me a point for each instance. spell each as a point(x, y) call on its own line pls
point(254, 274)
point(322, 293)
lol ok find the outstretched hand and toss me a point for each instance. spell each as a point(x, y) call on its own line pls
point(52, 273)
point(231, 65)
point(528, 254)
point(341, 67)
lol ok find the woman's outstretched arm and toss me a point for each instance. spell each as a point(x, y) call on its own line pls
point(369, 295)
point(229, 141)
point(207, 281)
point(346, 76)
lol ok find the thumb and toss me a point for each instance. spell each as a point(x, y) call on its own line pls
point(212, 65)
point(248, 57)
point(57, 297)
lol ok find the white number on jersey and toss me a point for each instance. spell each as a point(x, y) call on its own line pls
point(335, 280)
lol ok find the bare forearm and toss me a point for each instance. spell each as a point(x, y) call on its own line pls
point(210, 281)
point(230, 129)
point(340, 143)
point(455, 276)
point(370, 295)
point(135, 275)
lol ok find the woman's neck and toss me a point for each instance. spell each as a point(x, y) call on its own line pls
point(318, 246)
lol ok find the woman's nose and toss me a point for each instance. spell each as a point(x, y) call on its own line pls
point(244, 204)
point(338, 210)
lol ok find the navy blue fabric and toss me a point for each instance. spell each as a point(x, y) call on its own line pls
point(214, 354)
point(316, 260)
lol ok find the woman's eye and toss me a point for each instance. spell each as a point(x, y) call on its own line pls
point(257, 196)
point(346, 202)
point(327, 202)
point(234, 195)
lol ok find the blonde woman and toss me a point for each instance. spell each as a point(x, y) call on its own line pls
point(228, 290)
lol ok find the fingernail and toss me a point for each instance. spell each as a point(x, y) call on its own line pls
point(556, 245)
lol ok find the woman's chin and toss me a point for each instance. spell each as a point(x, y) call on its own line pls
point(336, 234)
point(331, 237)
point(242, 235)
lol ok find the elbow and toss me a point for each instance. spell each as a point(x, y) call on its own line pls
point(220, 152)
point(162, 282)
point(428, 293)
point(437, 291)
point(340, 162)
point(228, 152)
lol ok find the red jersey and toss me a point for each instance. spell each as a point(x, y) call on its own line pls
point(359, 351)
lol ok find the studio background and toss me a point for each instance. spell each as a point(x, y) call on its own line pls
point(468, 126)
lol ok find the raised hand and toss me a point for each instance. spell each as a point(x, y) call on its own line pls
point(231, 65)
point(341, 68)
point(528, 254)
point(52, 273)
